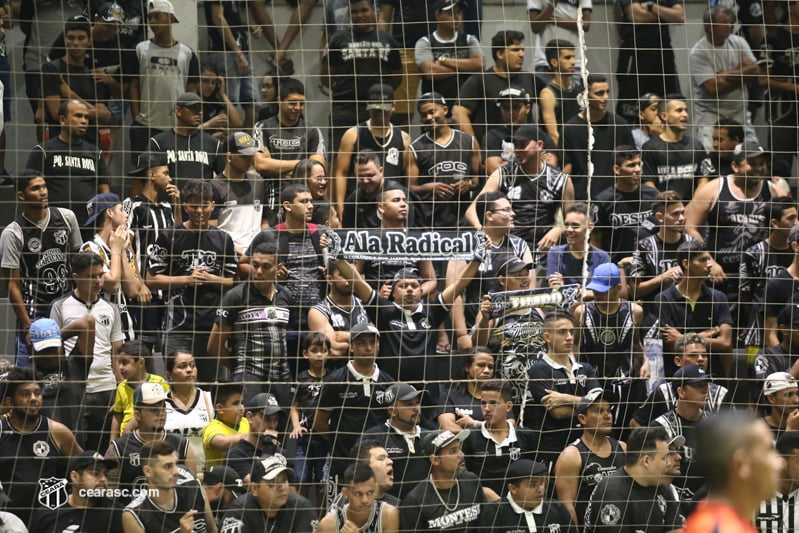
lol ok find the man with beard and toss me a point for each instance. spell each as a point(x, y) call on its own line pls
point(494, 211)
point(149, 401)
point(595, 455)
point(337, 313)
point(734, 210)
point(33, 448)
point(401, 436)
point(535, 188)
point(165, 504)
point(451, 498)
point(443, 167)
point(270, 505)
point(634, 496)
point(88, 508)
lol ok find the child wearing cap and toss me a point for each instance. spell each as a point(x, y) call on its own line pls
point(133, 360)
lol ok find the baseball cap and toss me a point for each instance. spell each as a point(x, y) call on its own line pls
point(689, 375)
point(407, 273)
point(524, 468)
point(88, 458)
point(380, 96)
point(403, 392)
point(363, 328)
point(431, 98)
point(527, 133)
point(111, 12)
point(512, 265)
point(148, 160)
point(98, 205)
point(242, 143)
point(226, 476)
point(646, 100)
point(270, 468)
point(265, 403)
point(747, 150)
point(676, 442)
point(45, 333)
point(514, 92)
point(149, 394)
point(447, 5)
point(778, 381)
point(593, 396)
point(188, 99)
point(162, 6)
point(435, 441)
point(789, 315)
point(605, 277)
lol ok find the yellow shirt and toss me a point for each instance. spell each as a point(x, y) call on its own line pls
point(217, 427)
point(123, 401)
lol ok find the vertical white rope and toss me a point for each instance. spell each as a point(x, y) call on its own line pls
point(590, 166)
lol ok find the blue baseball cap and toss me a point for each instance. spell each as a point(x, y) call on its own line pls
point(99, 204)
point(45, 333)
point(605, 277)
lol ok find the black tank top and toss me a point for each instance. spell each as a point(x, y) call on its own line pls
point(607, 340)
point(594, 469)
point(32, 468)
point(566, 105)
point(389, 148)
point(372, 525)
point(737, 224)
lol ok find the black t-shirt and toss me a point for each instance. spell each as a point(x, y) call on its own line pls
point(410, 21)
point(73, 172)
point(179, 251)
point(243, 455)
point(408, 340)
point(710, 310)
point(479, 94)
point(619, 504)
point(644, 37)
point(781, 290)
point(78, 78)
point(423, 510)
point(624, 219)
point(676, 165)
point(189, 157)
point(103, 517)
point(608, 133)
point(300, 141)
point(246, 516)
point(357, 61)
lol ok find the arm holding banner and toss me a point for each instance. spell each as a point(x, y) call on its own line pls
point(492, 185)
point(361, 289)
point(483, 324)
point(479, 254)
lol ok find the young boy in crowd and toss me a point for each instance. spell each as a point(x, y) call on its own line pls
point(133, 361)
point(311, 457)
point(229, 426)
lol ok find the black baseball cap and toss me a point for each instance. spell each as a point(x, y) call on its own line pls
point(363, 328)
point(89, 458)
point(431, 98)
point(435, 441)
point(148, 160)
point(525, 468)
point(226, 476)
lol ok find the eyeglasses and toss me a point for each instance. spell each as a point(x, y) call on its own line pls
point(503, 210)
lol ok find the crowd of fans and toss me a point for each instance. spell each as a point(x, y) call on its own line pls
point(538, 314)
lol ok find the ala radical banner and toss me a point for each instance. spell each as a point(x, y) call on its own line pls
point(403, 245)
point(563, 296)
